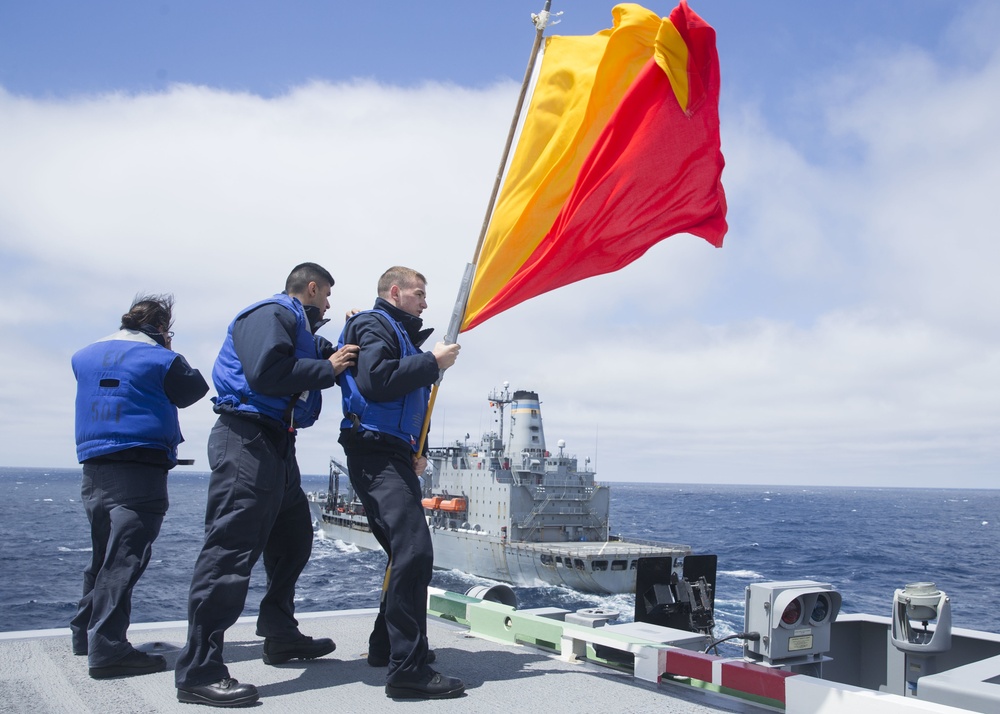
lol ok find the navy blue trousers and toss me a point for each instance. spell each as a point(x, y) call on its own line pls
point(255, 506)
point(125, 503)
point(381, 472)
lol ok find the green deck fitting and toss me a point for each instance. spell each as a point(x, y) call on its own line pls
point(504, 623)
point(450, 606)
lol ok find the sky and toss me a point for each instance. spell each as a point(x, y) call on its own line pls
point(847, 333)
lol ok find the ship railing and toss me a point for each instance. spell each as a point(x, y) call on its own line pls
point(589, 520)
point(558, 505)
point(566, 497)
point(619, 538)
point(567, 511)
point(571, 482)
point(571, 492)
point(536, 511)
point(344, 522)
point(627, 549)
point(528, 520)
point(621, 548)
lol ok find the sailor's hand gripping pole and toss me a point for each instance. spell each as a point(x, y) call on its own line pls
point(454, 325)
point(541, 20)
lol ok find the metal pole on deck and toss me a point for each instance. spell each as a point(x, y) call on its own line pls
point(541, 21)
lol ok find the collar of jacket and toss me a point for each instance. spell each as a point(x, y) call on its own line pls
point(411, 323)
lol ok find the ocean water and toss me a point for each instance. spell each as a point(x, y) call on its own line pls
point(864, 542)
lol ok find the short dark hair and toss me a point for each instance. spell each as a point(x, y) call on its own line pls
point(398, 275)
point(155, 310)
point(305, 273)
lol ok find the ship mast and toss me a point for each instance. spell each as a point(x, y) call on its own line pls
point(499, 400)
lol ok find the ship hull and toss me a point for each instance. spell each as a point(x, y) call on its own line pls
point(602, 568)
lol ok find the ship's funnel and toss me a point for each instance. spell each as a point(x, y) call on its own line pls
point(526, 434)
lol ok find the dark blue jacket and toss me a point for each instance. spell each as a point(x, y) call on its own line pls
point(270, 356)
point(389, 389)
point(128, 392)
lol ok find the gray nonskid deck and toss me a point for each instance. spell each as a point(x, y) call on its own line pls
point(38, 673)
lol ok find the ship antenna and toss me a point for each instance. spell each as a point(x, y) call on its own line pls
point(501, 405)
point(500, 400)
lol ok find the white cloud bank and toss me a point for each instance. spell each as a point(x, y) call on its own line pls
point(846, 334)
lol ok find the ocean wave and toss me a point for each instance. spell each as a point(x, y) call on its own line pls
point(745, 574)
point(340, 545)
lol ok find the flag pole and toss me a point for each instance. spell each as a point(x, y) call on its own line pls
point(541, 21)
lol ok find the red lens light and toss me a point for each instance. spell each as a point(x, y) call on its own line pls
point(792, 613)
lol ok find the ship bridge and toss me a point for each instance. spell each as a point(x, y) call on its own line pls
point(514, 487)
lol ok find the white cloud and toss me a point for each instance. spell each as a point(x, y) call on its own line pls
point(846, 333)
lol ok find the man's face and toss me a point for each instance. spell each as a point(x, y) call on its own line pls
point(317, 295)
point(411, 299)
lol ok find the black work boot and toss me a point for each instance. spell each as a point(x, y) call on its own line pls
point(279, 651)
point(434, 686)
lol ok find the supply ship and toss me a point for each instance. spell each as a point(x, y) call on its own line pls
point(508, 510)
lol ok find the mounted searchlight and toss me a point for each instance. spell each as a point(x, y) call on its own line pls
point(920, 602)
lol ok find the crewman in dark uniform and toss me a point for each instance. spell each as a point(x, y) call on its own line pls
point(129, 386)
point(268, 377)
point(385, 401)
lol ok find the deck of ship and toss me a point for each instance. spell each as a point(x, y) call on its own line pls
point(38, 673)
point(608, 549)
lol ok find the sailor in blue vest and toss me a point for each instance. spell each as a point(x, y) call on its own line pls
point(268, 378)
point(385, 401)
point(129, 386)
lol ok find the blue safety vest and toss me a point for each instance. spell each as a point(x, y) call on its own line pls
point(234, 394)
point(403, 417)
point(120, 402)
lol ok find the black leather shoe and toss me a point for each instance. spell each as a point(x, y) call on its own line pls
point(437, 686)
point(382, 660)
point(303, 647)
point(132, 664)
point(224, 693)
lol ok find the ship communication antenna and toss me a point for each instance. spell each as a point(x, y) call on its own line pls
point(500, 400)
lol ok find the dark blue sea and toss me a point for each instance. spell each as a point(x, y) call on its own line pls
point(866, 542)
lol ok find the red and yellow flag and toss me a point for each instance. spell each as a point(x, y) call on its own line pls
point(619, 149)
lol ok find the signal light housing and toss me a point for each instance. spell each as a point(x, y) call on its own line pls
point(793, 618)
